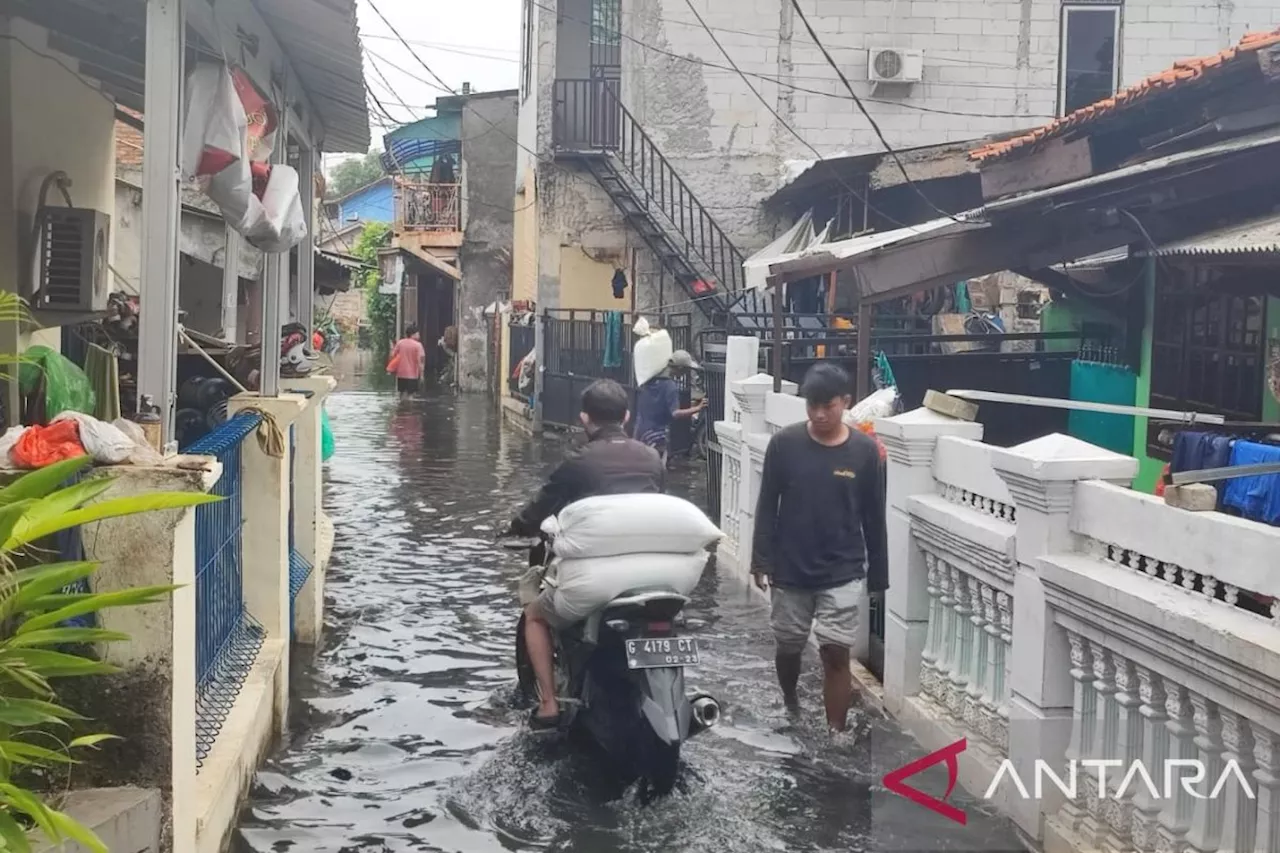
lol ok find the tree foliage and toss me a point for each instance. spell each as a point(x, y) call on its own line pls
point(350, 175)
point(380, 308)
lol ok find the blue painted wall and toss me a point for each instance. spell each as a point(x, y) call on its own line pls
point(374, 203)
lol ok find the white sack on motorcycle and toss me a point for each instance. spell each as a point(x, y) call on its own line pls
point(612, 525)
point(584, 586)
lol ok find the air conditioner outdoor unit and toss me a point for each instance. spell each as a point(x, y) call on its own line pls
point(895, 65)
point(73, 260)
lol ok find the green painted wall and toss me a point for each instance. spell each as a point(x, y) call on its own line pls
point(1148, 469)
point(1270, 405)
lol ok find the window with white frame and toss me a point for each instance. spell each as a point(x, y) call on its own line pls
point(1089, 54)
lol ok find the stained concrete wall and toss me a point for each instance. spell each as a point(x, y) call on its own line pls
point(988, 68)
point(489, 128)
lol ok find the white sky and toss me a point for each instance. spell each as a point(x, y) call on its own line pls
point(473, 41)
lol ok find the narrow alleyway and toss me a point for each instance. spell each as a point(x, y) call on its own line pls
point(404, 736)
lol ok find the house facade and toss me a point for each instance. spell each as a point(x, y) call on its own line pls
point(450, 255)
point(643, 149)
point(373, 202)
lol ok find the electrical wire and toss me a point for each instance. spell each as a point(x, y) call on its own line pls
point(795, 4)
point(783, 122)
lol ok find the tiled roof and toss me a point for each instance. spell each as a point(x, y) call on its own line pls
point(1183, 72)
point(128, 143)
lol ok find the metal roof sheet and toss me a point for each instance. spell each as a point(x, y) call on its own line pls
point(323, 44)
point(1259, 236)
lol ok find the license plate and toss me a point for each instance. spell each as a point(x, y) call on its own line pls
point(654, 652)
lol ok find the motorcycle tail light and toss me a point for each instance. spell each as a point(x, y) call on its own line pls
point(659, 626)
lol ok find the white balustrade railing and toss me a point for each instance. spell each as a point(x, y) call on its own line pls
point(1052, 616)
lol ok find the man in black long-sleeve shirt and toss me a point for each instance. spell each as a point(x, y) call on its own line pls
point(820, 538)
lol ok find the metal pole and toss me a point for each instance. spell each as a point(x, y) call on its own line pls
point(862, 382)
point(158, 328)
point(307, 251)
point(275, 275)
point(231, 285)
point(776, 367)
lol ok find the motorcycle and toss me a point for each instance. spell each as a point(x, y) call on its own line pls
point(620, 681)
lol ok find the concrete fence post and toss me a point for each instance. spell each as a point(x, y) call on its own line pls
point(265, 495)
point(308, 494)
point(151, 703)
point(1042, 476)
point(909, 440)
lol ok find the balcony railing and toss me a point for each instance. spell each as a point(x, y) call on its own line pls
point(425, 206)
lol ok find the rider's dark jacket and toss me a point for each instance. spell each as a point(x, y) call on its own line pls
point(609, 464)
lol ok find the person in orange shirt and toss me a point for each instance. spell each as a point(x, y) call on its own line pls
point(408, 358)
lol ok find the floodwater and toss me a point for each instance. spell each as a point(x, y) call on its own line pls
point(404, 737)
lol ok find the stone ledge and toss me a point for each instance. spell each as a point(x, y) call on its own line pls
point(126, 819)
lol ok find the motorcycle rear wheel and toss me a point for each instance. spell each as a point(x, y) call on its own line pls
point(661, 769)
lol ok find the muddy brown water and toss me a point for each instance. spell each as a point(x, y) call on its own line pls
point(403, 732)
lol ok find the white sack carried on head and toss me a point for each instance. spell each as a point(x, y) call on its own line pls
point(609, 525)
point(586, 585)
point(651, 356)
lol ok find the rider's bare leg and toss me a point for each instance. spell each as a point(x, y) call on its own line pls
point(537, 641)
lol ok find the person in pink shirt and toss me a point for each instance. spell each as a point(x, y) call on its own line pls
point(409, 358)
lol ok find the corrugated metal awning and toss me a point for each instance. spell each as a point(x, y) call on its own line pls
point(323, 44)
point(1259, 236)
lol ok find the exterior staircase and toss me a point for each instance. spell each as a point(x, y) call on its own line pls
point(593, 128)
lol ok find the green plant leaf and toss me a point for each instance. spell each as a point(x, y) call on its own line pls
point(30, 805)
point(27, 753)
point(26, 532)
point(91, 741)
point(72, 497)
point(22, 713)
point(50, 664)
point(41, 581)
point(72, 829)
point(43, 481)
point(15, 840)
point(21, 675)
point(64, 637)
point(95, 602)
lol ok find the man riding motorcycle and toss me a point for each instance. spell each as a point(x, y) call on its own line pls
point(609, 464)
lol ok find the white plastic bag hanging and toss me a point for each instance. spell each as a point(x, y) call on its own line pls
point(284, 224)
point(215, 125)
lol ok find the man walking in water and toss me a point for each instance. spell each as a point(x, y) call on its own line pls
point(408, 358)
point(820, 537)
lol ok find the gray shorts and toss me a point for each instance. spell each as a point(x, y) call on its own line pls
point(546, 604)
point(830, 614)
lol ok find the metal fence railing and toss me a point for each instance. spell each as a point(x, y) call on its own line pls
point(421, 205)
point(299, 566)
point(523, 338)
point(227, 637)
point(580, 348)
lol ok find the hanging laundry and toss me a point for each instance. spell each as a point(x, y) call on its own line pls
point(1195, 451)
point(619, 284)
point(1257, 498)
point(613, 337)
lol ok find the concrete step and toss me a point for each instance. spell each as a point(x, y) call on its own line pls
point(126, 819)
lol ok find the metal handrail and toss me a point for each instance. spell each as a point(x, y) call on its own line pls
point(606, 125)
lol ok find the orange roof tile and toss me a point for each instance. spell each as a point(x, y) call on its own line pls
point(1182, 72)
point(128, 142)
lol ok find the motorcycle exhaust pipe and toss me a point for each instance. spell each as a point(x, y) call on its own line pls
point(706, 712)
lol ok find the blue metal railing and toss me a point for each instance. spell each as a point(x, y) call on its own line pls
point(227, 638)
point(299, 568)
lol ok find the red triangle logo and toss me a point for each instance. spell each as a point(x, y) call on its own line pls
point(894, 781)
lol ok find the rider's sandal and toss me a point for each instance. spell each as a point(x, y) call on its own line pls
point(539, 723)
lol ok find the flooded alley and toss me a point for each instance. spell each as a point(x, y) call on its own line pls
point(404, 737)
